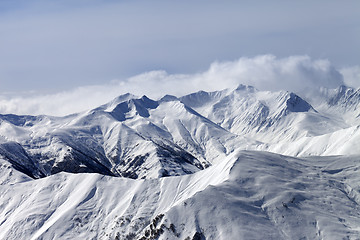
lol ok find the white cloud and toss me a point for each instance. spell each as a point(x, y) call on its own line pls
point(270, 73)
point(351, 76)
point(47, 45)
point(265, 72)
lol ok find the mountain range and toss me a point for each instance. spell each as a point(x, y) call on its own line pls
point(232, 164)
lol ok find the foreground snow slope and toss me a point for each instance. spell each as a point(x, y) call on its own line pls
point(248, 195)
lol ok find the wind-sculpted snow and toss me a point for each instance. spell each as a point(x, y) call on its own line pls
point(249, 195)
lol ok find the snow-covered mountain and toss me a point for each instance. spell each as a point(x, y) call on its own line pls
point(283, 121)
point(249, 195)
point(342, 102)
point(100, 173)
point(130, 137)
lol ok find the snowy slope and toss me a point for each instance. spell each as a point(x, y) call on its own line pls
point(249, 195)
point(341, 142)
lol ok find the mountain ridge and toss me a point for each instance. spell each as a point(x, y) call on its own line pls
point(140, 137)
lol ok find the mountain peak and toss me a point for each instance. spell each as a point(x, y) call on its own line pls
point(132, 107)
point(297, 104)
point(168, 98)
point(342, 95)
point(116, 101)
point(202, 98)
point(242, 87)
point(147, 102)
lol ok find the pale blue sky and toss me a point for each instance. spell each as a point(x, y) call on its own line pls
point(50, 46)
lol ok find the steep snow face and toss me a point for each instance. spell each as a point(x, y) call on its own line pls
point(278, 196)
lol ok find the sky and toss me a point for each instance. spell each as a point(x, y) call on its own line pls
point(77, 49)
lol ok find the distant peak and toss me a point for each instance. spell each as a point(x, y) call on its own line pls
point(147, 102)
point(132, 107)
point(123, 97)
point(145, 98)
point(242, 87)
point(342, 93)
point(297, 104)
point(168, 98)
point(342, 89)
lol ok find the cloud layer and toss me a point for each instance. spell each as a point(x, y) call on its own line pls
point(56, 45)
point(265, 72)
point(351, 76)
